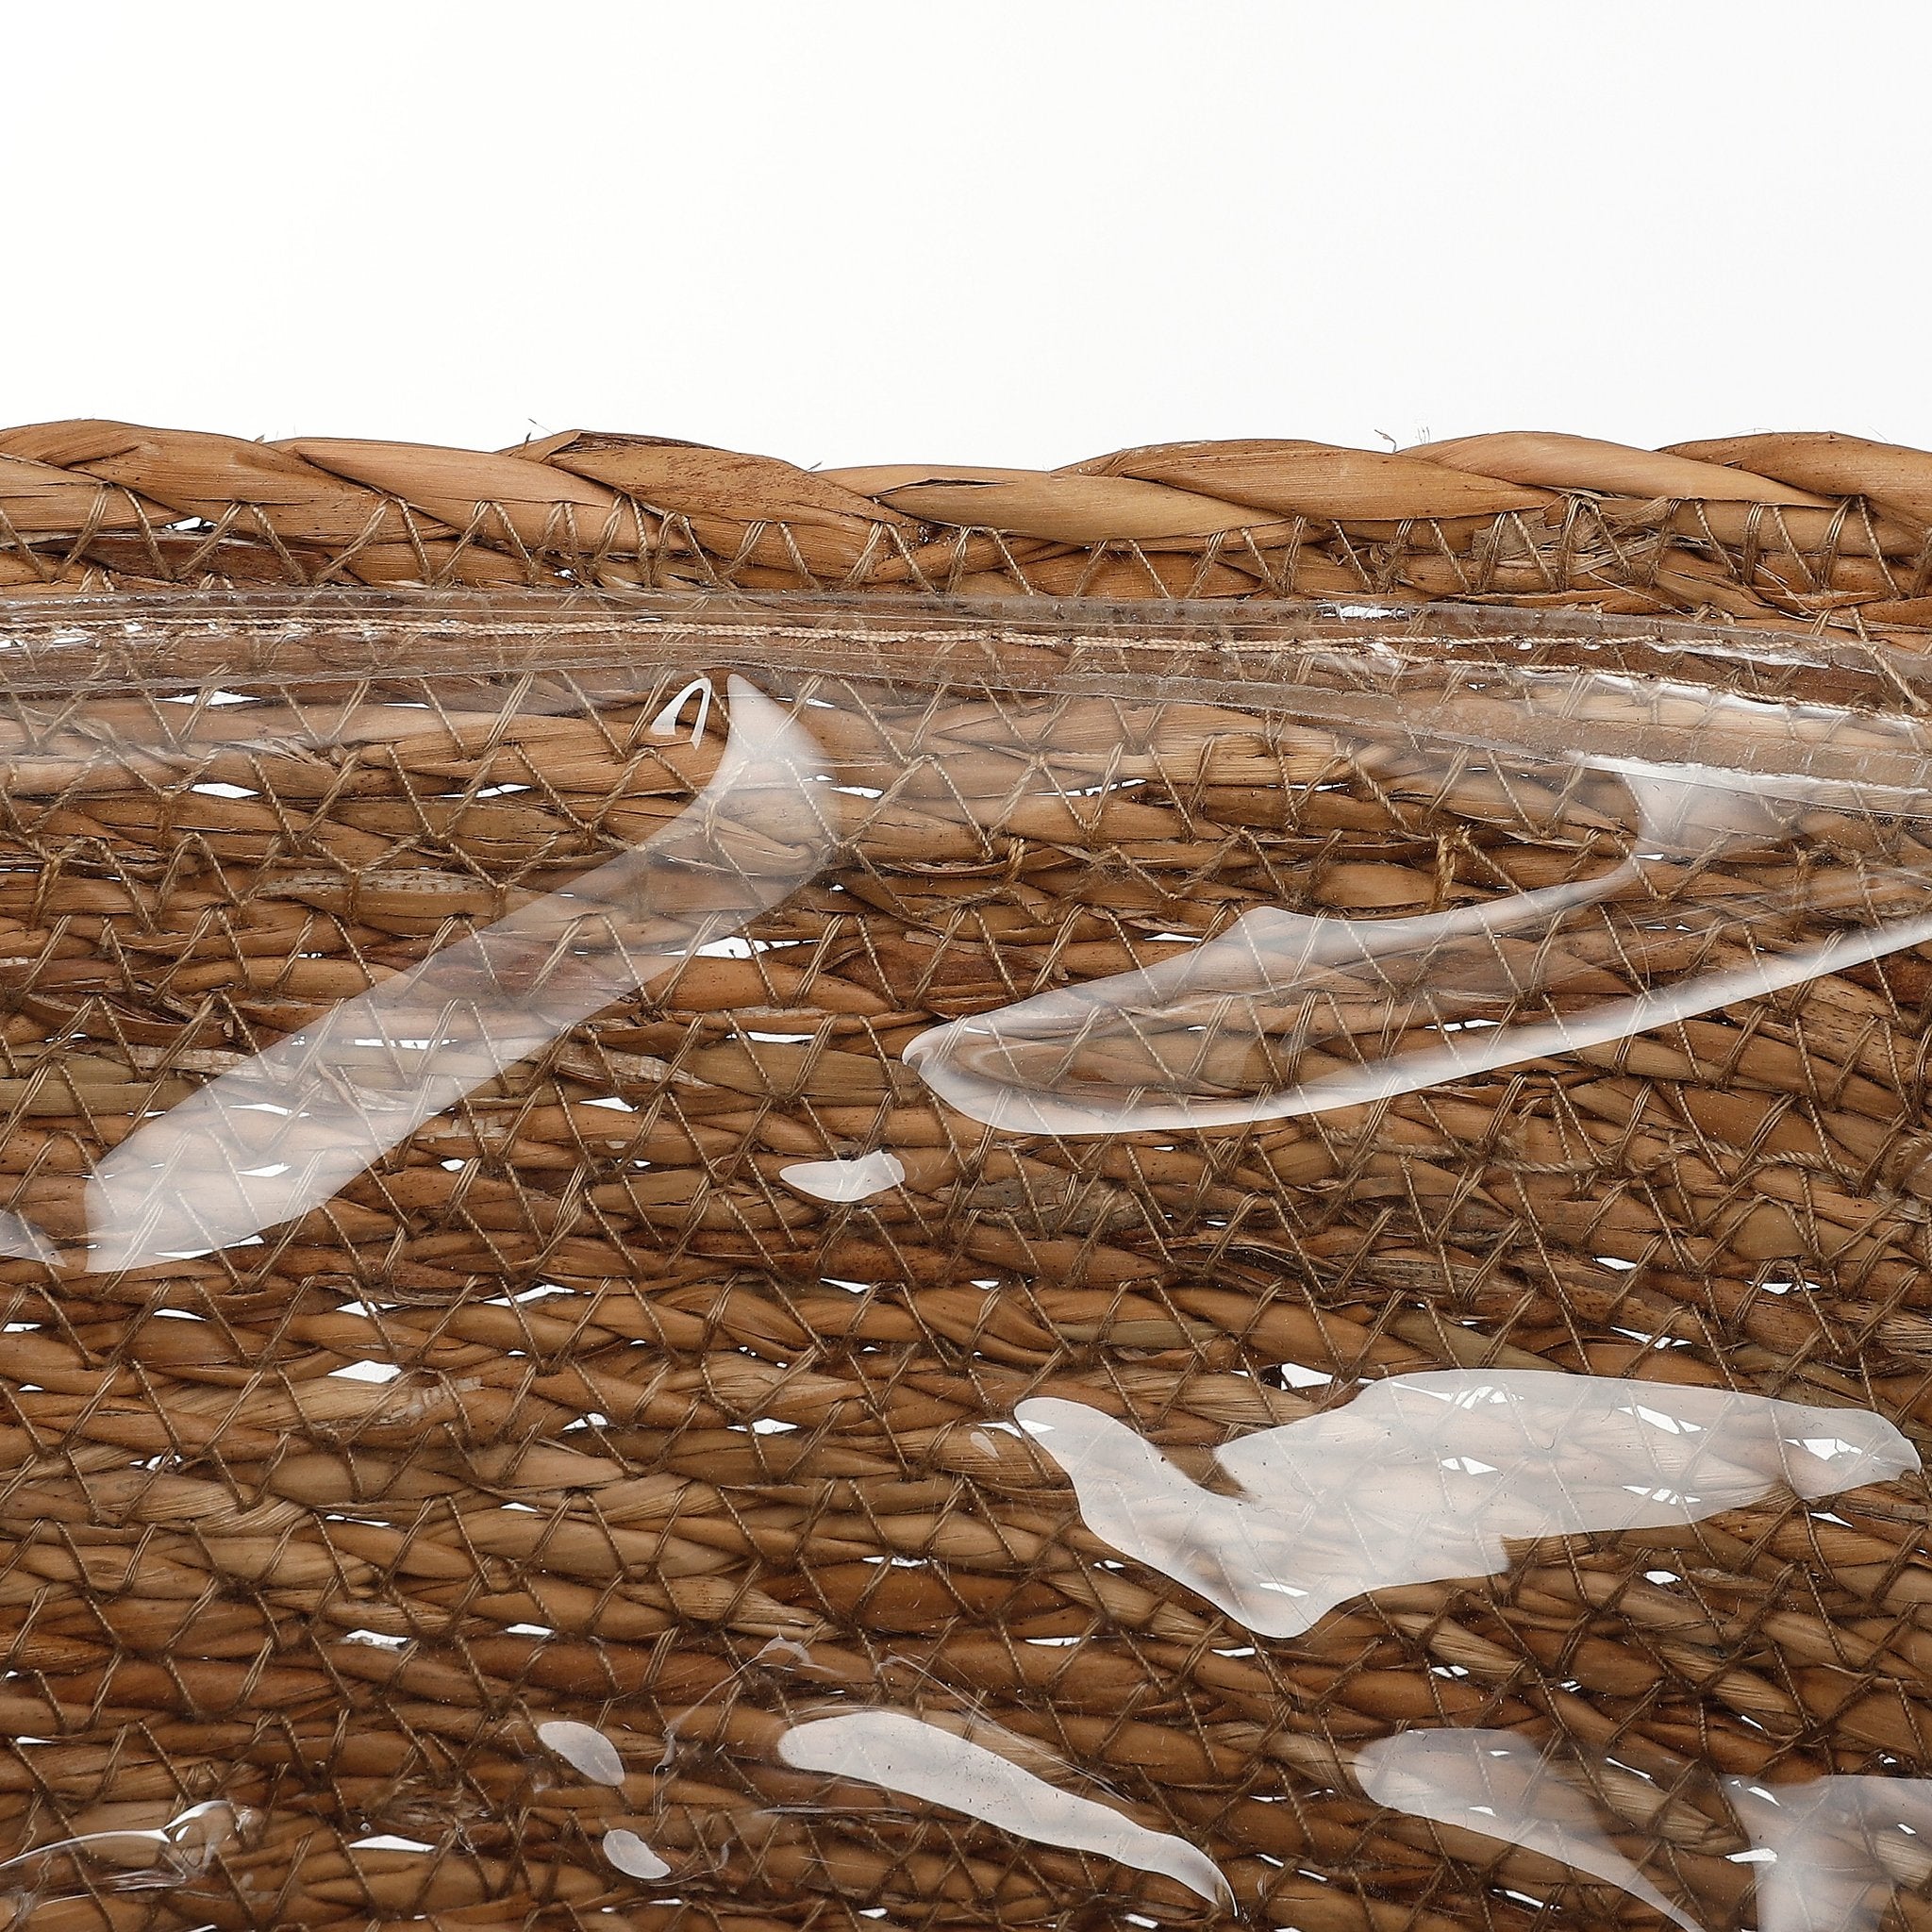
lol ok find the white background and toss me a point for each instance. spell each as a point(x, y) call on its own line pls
point(846, 232)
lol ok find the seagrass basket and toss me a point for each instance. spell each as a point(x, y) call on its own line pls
point(1192, 1191)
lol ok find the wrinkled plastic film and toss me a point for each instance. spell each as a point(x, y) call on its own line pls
point(1363, 1010)
point(1283, 1013)
point(282, 1133)
point(177, 1856)
point(1463, 1463)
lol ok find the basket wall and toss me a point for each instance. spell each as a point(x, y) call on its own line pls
point(637, 1434)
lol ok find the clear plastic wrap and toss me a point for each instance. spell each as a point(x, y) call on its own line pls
point(750, 1265)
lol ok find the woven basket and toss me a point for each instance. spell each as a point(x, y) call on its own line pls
point(739, 1198)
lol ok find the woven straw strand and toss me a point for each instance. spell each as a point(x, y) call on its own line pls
point(1832, 529)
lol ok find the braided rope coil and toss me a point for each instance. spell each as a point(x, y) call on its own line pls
point(1830, 528)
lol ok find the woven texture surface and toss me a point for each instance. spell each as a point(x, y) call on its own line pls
point(730, 1466)
point(1826, 527)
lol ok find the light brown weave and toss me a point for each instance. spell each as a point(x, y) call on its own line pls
point(202, 1527)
